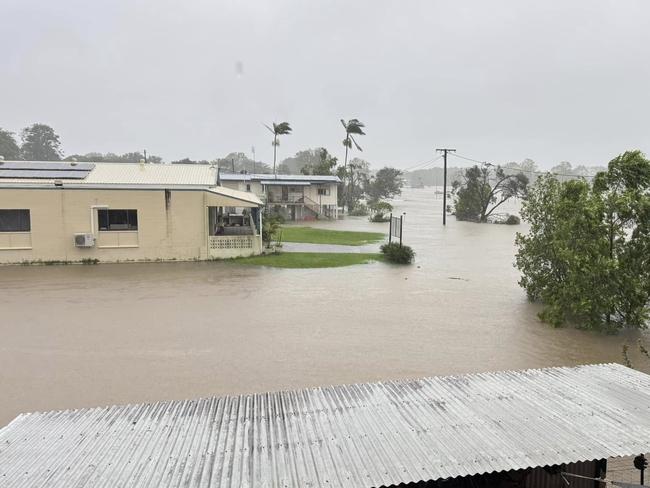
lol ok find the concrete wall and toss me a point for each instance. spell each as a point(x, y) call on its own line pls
point(177, 230)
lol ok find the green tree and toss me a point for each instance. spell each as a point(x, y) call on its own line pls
point(40, 143)
point(586, 256)
point(485, 188)
point(386, 184)
point(357, 174)
point(239, 161)
point(352, 127)
point(308, 161)
point(324, 164)
point(281, 129)
point(8, 147)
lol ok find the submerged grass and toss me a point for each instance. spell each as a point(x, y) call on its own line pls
point(310, 259)
point(312, 235)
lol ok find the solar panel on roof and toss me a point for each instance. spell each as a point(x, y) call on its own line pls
point(46, 165)
point(45, 170)
point(42, 175)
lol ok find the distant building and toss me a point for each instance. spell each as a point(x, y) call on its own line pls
point(295, 197)
point(68, 211)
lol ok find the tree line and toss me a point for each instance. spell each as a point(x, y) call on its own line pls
point(564, 171)
point(40, 142)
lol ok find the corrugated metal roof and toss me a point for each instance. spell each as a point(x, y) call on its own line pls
point(360, 435)
point(152, 174)
point(125, 175)
point(262, 176)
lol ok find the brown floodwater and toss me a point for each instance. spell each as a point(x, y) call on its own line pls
point(74, 336)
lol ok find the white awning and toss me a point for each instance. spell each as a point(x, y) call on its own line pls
point(234, 198)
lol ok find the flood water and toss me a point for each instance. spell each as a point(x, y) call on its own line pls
point(74, 336)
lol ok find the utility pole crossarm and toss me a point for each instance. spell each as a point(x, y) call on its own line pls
point(444, 152)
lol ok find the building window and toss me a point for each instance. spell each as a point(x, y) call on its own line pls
point(15, 220)
point(110, 219)
point(248, 187)
point(323, 191)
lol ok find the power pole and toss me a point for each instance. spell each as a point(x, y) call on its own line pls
point(253, 149)
point(444, 152)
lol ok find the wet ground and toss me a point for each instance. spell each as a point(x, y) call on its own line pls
point(77, 336)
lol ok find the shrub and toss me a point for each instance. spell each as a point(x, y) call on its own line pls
point(380, 218)
point(398, 254)
point(380, 211)
point(359, 210)
point(271, 228)
point(513, 220)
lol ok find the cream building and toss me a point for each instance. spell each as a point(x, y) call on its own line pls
point(295, 197)
point(68, 211)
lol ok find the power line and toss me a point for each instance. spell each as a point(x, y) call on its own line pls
point(523, 170)
point(422, 165)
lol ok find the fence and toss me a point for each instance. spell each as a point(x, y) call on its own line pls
point(396, 227)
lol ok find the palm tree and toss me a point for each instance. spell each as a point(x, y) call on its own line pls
point(281, 129)
point(352, 126)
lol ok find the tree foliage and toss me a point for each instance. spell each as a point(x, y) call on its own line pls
point(239, 161)
point(352, 127)
point(483, 189)
point(281, 129)
point(40, 143)
point(387, 183)
point(190, 161)
point(354, 178)
point(322, 164)
point(587, 254)
point(8, 146)
point(380, 211)
point(131, 157)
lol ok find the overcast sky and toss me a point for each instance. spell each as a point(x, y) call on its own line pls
point(498, 80)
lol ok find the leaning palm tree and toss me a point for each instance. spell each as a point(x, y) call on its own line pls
point(352, 127)
point(281, 129)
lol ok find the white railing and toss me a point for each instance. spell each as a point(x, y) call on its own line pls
point(230, 242)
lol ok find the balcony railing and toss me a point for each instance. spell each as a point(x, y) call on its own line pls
point(285, 199)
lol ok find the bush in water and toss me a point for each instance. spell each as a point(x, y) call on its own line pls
point(398, 254)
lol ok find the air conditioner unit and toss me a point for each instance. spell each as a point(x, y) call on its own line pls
point(84, 240)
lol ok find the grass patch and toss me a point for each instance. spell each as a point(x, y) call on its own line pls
point(310, 259)
point(312, 235)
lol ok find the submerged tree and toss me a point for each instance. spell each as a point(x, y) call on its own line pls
point(483, 189)
point(281, 129)
point(586, 256)
point(40, 143)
